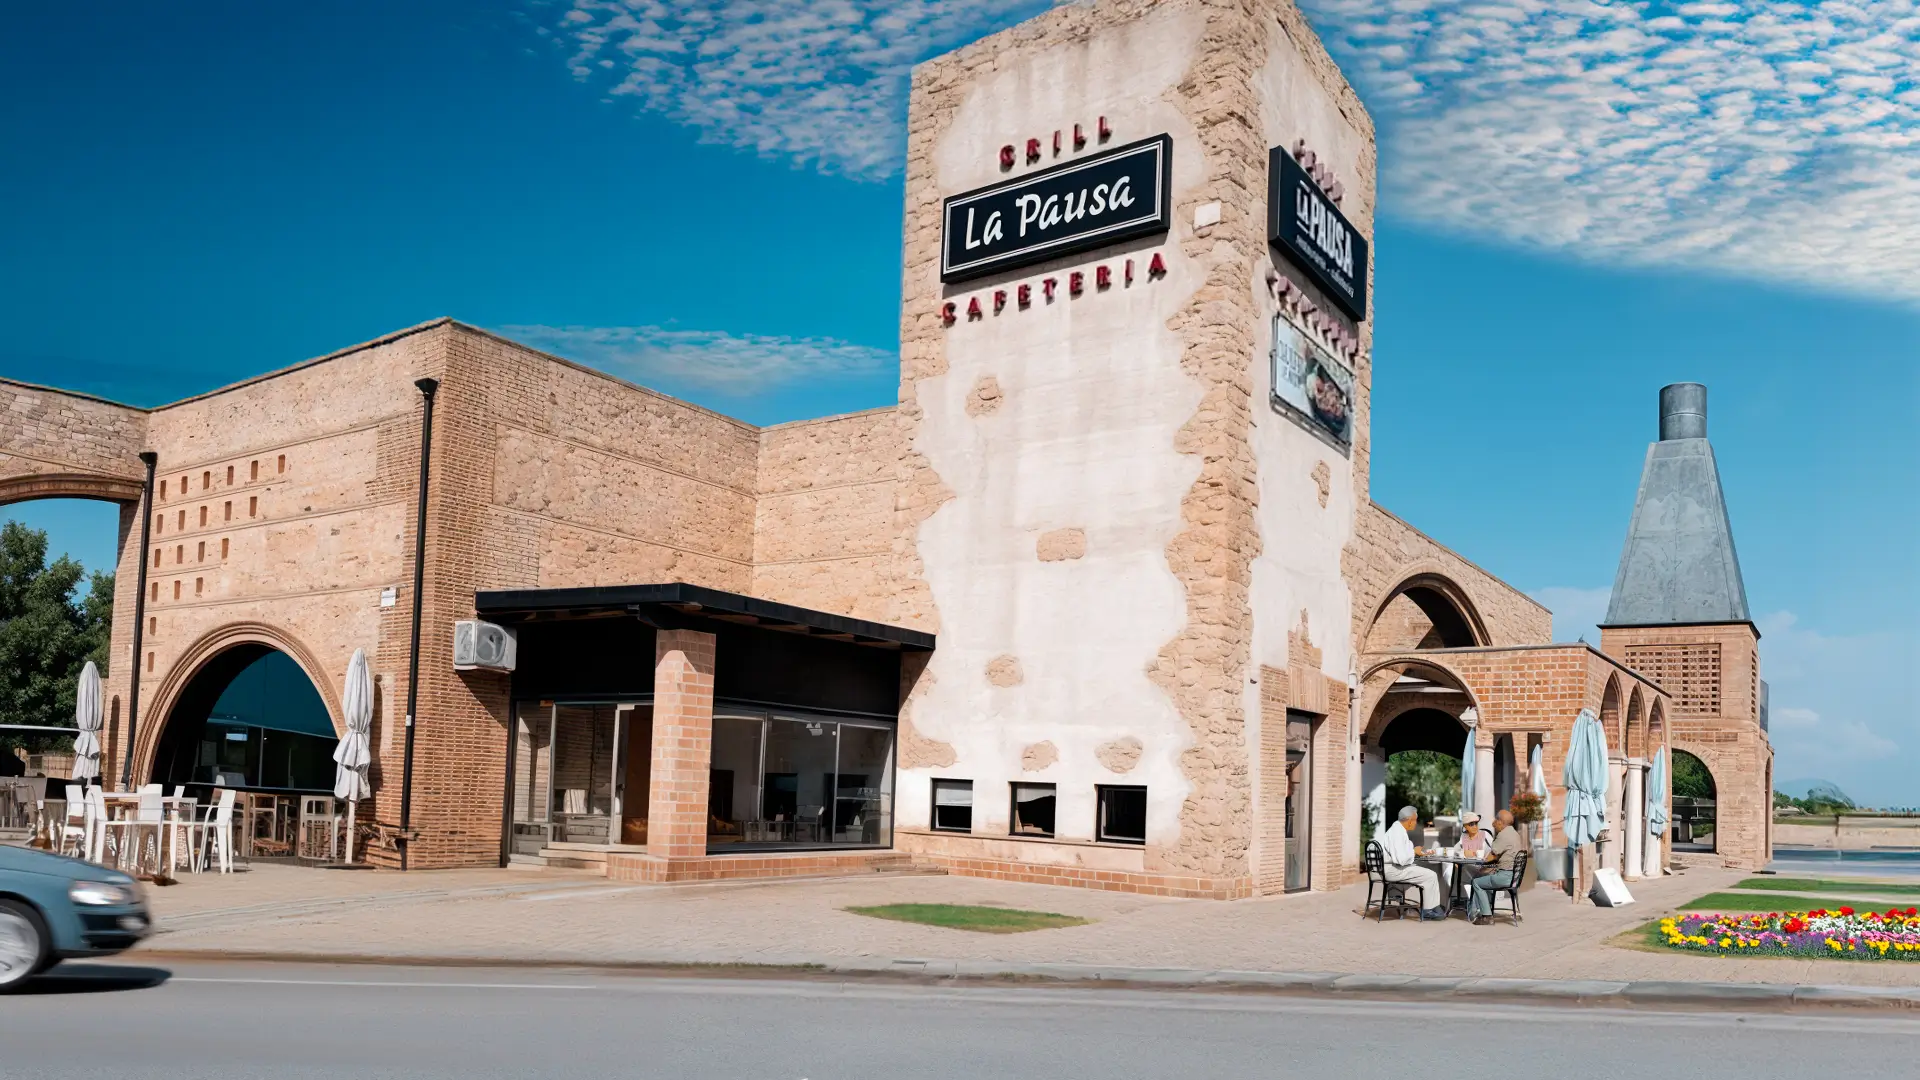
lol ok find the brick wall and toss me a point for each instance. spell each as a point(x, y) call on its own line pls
point(824, 524)
point(1386, 552)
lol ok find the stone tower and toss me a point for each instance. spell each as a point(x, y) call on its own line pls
point(1679, 615)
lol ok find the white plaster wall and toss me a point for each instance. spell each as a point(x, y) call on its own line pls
point(1093, 400)
point(1301, 542)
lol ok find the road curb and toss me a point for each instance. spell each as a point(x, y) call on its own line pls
point(1374, 986)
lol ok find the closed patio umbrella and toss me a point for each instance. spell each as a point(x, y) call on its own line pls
point(1469, 774)
point(354, 753)
point(1657, 797)
point(86, 717)
point(1539, 770)
point(1585, 779)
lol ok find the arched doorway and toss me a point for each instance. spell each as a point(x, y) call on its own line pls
point(1412, 742)
point(1423, 747)
point(249, 719)
point(1694, 797)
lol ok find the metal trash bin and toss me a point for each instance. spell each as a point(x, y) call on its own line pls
point(1552, 863)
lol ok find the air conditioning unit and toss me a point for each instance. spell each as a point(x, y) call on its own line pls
point(483, 646)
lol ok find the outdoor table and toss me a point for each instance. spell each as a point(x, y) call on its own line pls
point(1457, 885)
point(175, 811)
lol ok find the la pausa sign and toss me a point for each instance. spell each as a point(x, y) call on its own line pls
point(1078, 206)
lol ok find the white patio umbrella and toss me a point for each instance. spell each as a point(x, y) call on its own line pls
point(1469, 774)
point(1539, 770)
point(354, 753)
point(1585, 779)
point(1657, 796)
point(87, 717)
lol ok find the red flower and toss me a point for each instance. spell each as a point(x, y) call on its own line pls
point(1846, 911)
point(1913, 911)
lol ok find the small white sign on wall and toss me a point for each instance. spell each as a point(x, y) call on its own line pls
point(389, 596)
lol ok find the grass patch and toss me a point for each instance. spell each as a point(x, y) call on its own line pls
point(984, 920)
point(1727, 901)
point(1802, 885)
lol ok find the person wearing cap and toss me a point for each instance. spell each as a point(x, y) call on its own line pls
point(1475, 841)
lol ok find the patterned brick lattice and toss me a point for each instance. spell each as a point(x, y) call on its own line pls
point(682, 744)
point(1690, 673)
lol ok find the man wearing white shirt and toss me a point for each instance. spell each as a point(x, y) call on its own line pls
point(1397, 847)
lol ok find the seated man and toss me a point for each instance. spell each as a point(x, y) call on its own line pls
point(1397, 847)
point(1500, 862)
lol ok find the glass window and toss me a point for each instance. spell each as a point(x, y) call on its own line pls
point(797, 803)
point(1123, 815)
point(733, 787)
point(953, 805)
point(1033, 806)
point(863, 787)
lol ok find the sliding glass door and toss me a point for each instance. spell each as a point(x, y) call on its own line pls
point(799, 782)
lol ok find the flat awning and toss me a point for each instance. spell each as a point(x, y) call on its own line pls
point(678, 604)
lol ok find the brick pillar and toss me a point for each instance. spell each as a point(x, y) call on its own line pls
point(682, 743)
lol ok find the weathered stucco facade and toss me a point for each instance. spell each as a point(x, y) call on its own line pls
point(1142, 572)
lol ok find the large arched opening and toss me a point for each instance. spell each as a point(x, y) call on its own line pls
point(63, 538)
point(1413, 742)
point(1695, 796)
point(249, 718)
point(1426, 611)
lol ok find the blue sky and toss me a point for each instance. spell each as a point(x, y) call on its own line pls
point(1579, 204)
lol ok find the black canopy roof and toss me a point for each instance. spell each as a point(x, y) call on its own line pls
point(678, 604)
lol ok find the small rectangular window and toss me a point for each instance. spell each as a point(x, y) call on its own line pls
point(1123, 814)
point(153, 624)
point(1033, 806)
point(156, 557)
point(253, 472)
point(183, 519)
point(201, 556)
point(149, 663)
point(203, 517)
point(199, 585)
point(283, 463)
point(223, 547)
point(206, 480)
point(163, 489)
point(176, 590)
point(156, 591)
point(229, 476)
point(953, 805)
point(253, 505)
point(228, 511)
point(179, 554)
point(159, 523)
point(183, 486)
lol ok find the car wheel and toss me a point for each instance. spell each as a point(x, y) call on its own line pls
point(24, 948)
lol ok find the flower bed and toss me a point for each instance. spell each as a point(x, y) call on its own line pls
point(1841, 932)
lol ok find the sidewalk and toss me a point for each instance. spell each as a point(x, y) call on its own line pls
point(501, 917)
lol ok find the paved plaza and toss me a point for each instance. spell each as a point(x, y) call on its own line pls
point(473, 916)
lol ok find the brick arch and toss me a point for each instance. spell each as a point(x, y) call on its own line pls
point(70, 485)
point(1377, 717)
point(1433, 585)
point(154, 718)
point(1635, 722)
point(1610, 714)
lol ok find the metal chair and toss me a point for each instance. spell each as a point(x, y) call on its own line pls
point(1392, 893)
point(1512, 889)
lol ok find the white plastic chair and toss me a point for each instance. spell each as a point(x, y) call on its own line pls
point(181, 817)
point(216, 832)
point(76, 837)
point(143, 829)
point(100, 839)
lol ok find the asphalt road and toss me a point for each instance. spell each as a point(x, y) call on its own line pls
point(217, 1021)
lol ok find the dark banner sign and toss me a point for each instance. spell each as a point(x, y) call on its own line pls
point(1306, 227)
point(1081, 205)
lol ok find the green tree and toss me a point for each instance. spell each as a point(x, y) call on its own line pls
point(47, 633)
point(1691, 780)
point(1426, 780)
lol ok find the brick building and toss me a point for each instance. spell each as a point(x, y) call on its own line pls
point(1103, 600)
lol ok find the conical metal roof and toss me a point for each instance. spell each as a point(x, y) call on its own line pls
point(1679, 564)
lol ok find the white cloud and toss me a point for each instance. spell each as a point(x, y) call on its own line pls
point(1576, 612)
point(1778, 139)
point(709, 359)
point(819, 82)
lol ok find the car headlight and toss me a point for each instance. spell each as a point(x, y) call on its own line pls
point(101, 894)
